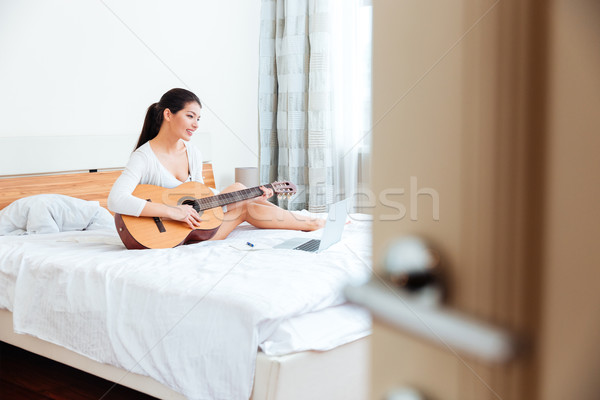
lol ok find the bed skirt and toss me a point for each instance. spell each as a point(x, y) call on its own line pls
point(340, 373)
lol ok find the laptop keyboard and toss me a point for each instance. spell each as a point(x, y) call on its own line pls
point(311, 245)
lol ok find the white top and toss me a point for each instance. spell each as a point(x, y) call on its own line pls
point(145, 168)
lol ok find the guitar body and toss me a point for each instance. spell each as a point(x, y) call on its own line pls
point(158, 233)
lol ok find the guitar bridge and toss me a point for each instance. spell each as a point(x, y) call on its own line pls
point(158, 222)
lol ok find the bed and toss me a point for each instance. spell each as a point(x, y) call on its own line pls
point(232, 322)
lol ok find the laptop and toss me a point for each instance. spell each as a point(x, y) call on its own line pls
point(332, 233)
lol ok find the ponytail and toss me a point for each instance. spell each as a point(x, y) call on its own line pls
point(174, 100)
point(152, 124)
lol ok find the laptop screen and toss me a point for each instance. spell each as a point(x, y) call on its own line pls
point(334, 227)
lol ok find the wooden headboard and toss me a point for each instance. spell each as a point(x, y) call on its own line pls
point(87, 186)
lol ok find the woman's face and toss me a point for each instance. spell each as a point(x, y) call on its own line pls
point(185, 121)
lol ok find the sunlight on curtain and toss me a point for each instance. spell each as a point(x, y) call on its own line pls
point(315, 99)
point(294, 102)
point(351, 79)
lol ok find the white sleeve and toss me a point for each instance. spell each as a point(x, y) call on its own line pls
point(120, 199)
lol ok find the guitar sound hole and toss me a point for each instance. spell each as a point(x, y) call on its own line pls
point(192, 203)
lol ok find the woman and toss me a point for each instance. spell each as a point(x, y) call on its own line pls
point(164, 157)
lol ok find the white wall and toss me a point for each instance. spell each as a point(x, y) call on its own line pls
point(76, 78)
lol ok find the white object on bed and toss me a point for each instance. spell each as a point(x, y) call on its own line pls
point(52, 213)
point(191, 317)
point(320, 330)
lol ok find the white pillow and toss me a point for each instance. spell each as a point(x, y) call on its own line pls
point(319, 330)
point(51, 213)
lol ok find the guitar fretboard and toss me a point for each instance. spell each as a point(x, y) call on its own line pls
point(228, 198)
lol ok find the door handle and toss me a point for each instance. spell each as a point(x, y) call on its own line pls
point(420, 312)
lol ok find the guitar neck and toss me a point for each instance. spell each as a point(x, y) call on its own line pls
point(228, 198)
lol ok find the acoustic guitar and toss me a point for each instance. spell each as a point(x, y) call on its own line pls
point(158, 233)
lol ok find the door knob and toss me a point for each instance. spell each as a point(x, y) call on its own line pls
point(419, 311)
point(404, 393)
point(410, 263)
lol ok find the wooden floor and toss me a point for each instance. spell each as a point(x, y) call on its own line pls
point(25, 375)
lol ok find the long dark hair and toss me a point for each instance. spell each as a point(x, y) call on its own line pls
point(174, 100)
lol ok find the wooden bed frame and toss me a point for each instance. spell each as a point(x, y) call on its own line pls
point(86, 185)
point(338, 373)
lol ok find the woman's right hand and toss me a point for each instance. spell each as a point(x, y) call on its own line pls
point(187, 214)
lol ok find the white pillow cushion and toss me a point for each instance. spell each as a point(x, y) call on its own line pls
point(51, 213)
point(103, 220)
point(319, 330)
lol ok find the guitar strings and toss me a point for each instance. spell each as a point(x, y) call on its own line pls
point(217, 200)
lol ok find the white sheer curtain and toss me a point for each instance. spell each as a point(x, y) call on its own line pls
point(351, 91)
point(295, 108)
point(315, 98)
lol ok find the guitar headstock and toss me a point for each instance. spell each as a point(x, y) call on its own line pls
point(285, 189)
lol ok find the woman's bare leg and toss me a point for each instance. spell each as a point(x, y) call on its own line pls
point(270, 216)
point(231, 219)
point(262, 214)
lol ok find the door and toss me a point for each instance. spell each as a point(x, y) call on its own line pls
point(467, 110)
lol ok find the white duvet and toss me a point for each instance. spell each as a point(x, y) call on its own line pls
point(192, 317)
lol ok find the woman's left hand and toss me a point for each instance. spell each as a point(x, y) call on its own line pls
point(267, 193)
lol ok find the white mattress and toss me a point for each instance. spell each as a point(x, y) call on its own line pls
point(191, 317)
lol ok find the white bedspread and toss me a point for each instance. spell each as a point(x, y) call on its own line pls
point(192, 317)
